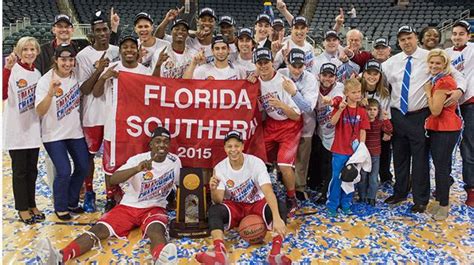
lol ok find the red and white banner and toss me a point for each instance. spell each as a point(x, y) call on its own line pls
point(198, 114)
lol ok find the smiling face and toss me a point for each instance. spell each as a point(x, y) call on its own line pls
point(265, 68)
point(159, 147)
point(430, 39)
point(28, 53)
point(263, 29)
point(65, 65)
point(245, 44)
point(459, 36)
point(327, 79)
point(372, 77)
point(234, 149)
point(354, 40)
point(129, 51)
point(331, 45)
point(296, 70)
point(101, 33)
point(179, 33)
point(206, 24)
point(63, 31)
point(228, 31)
point(436, 65)
point(220, 52)
point(144, 29)
point(298, 33)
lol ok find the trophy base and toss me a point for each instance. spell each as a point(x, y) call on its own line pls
point(192, 230)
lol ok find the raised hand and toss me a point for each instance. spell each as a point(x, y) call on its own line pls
point(11, 60)
point(340, 18)
point(343, 105)
point(172, 14)
point(213, 183)
point(199, 58)
point(145, 165)
point(327, 100)
point(110, 73)
point(114, 20)
point(102, 63)
point(54, 86)
point(280, 5)
point(288, 86)
point(162, 57)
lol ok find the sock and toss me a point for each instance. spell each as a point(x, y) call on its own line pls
point(71, 251)
point(291, 193)
point(219, 246)
point(276, 245)
point(157, 250)
point(218, 257)
point(88, 183)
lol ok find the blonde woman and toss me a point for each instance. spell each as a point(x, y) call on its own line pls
point(21, 128)
point(443, 127)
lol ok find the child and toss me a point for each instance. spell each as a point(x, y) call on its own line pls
point(369, 180)
point(351, 121)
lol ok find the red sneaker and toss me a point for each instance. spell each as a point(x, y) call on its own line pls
point(278, 259)
point(212, 258)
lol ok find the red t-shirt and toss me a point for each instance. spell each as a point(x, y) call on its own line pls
point(348, 128)
point(447, 120)
point(373, 139)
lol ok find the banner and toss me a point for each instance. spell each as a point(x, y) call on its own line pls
point(198, 114)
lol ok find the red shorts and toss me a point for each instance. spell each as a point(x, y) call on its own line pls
point(94, 137)
point(122, 219)
point(238, 210)
point(281, 140)
point(106, 167)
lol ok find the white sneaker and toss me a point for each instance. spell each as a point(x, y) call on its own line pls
point(168, 255)
point(47, 254)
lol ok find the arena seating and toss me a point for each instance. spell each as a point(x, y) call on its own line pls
point(39, 11)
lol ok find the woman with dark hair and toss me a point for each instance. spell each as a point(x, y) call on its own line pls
point(429, 37)
point(57, 103)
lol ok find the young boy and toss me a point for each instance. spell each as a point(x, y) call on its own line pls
point(351, 122)
point(369, 180)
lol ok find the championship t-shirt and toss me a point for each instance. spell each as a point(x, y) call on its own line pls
point(306, 48)
point(243, 185)
point(150, 188)
point(156, 48)
point(176, 64)
point(325, 129)
point(348, 128)
point(248, 65)
point(209, 71)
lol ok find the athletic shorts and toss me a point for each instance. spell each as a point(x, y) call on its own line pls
point(122, 219)
point(94, 137)
point(238, 210)
point(281, 140)
point(106, 167)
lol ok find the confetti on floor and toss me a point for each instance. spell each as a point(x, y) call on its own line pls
point(380, 234)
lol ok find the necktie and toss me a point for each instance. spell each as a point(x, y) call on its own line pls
point(405, 87)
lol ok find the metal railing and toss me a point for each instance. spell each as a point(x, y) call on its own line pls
point(446, 26)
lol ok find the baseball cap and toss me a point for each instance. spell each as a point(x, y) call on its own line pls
point(349, 173)
point(262, 53)
point(328, 68)
point(331, 33)
point(296, 56)
point(299, 20)
point(180, 22)
point(278, 23)
point(373, 65)
point(142, 15)
point(128, 37)
point(233, 134)
point(263, 17)
point(381, 42)
point(464, 24)
point(207, 11)
point(227, 20)
point(245, 32)
point(65, 50)
point(160, 131)
point(405, 29)
point(98, 18)
point(218, 38)
point(62, 17)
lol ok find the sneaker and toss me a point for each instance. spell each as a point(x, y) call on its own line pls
point(322, 200)
point(332, 213)
point(109, 205)
point(442, 213)
point(292, 206)
point(89, 202)
point(47, 254)
point(301, 195)
point(433, 207)
point(76, 210)
point(347, 211)
point(212, 258)
point(168, 255)
point(279, 259)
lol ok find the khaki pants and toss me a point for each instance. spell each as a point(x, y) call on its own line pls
point(302, 162)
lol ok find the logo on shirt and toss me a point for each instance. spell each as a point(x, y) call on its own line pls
point(148, 175)
point(458, 63)
point(246, 192)
point(158, 187)
point(26, 98)
point(210, 78)
point(68, 102)
point(230, 183)
point(22, 83)
point(264, 101)
point(59, 92)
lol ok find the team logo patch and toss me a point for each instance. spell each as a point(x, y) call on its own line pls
point(210, 78)
point(148, 175)
point(22, 83)
point(230, 183)
point(59, 92)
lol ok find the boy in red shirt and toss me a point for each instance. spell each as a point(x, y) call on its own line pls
point(351, 122)
point(369, 180)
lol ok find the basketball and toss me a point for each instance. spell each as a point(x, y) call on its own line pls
point(252, 229)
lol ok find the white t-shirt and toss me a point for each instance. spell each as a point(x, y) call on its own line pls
point(325, 129)
point(274, 88)
point(247, 65)
point(209, 71)
point(109, 128)
point(176, 64)
point(306, 48)
point(156, 48)
point(21, 125)
point(463, 61)
point(150, 188)
point(93, 108)
point(243, 185)
point(62, 120)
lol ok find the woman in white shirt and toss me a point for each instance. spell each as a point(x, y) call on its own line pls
point(57, 103)
point(19, 84)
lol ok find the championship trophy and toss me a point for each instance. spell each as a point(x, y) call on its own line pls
point(191, 209)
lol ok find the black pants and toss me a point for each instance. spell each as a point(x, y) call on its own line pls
point(219, 215)
point(442, 145)
point(385, 161)
point(25, 172)
point(320, 166)
point(410, 151)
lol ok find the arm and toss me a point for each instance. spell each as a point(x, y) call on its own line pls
point(335, 117)
point(303, 104)
point(87, 87)
point(387, 127)
point(170, 16)
point(161, 59)
point(436, 102)
point(362, 136)
point(217, 195)
point(339, 21)
point(44, 105)
point(98, 89)
point(278, 223)
point(121, 176)
point(281, 6)
point(197, 59)
point(9, 63)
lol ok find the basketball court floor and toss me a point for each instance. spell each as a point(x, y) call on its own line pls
point(381, 234)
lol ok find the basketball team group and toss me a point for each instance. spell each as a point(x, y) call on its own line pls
point(332, 123)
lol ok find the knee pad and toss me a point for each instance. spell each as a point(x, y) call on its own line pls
point(218, 215)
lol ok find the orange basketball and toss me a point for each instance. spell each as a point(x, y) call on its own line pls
point(252, 229)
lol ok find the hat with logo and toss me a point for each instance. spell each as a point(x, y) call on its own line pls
point(373, 65)
point(349, 173)
point(278, 23)
point(180, 22)
point(218, 38)
point(405, 29)
point(464, 24)
point(128, 37)
point(98, 18)
point(227, 20)
point(160, 131)
point(245, 32)
point(299, 20)
point(262, 53)
point(233, 134)
point(296, 56)
point(142, 15)
point(62, 17)
point(331, 33)
point(381, 42)
point(65, 50)
point(263, 17)
point(207, 11)
point(328, 68)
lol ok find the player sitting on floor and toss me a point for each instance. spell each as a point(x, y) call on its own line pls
point(147, 179)
point(231, 205)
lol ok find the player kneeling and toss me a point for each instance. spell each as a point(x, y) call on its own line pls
point(147, 179)
point(241, 186)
